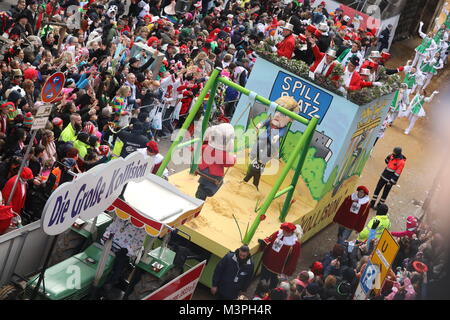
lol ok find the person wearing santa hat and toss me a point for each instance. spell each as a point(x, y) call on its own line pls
point(153, 152)
point(286, 47)
point(352, 214)
point(20, 194)
point(281, 253)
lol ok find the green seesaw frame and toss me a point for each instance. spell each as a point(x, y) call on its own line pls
point(300, 149)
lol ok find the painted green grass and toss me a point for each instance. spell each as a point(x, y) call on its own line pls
point(313, 170)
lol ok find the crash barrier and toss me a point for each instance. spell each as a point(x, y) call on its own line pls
point(22, 251)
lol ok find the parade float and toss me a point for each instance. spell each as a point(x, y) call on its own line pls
point(117, 190)
point(326, 144)
point(321, 156)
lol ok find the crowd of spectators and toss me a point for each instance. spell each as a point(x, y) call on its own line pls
point(417, 272)
point(132, 72)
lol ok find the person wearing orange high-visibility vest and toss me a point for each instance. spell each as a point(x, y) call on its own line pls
point(395, 164)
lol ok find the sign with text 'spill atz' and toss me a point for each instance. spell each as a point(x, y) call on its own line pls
point(312, 100)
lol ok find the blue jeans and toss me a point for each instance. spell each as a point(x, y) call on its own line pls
point(343, 234)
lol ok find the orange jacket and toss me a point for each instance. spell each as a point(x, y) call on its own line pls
point(394, 168)
point(57, 172)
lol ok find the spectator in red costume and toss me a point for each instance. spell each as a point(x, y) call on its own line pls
point(153, 152)
point(20, 194)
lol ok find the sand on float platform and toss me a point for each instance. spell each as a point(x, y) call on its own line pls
point(215, 228)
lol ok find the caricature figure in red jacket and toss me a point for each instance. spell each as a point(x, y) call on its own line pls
point(352, 213)
point(281, 253)
point(215, 157)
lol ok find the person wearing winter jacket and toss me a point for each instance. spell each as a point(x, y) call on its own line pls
point(381, 221)
point(384, 37)
point(20, 193)
point(132, 140)
point(352, 213)
point(233, 274)
point(82, 144)
point(136, 68)
point(395, 162)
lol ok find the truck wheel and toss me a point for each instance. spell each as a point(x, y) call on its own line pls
point(9, 292)
point(67, 245)
point(144, 287)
